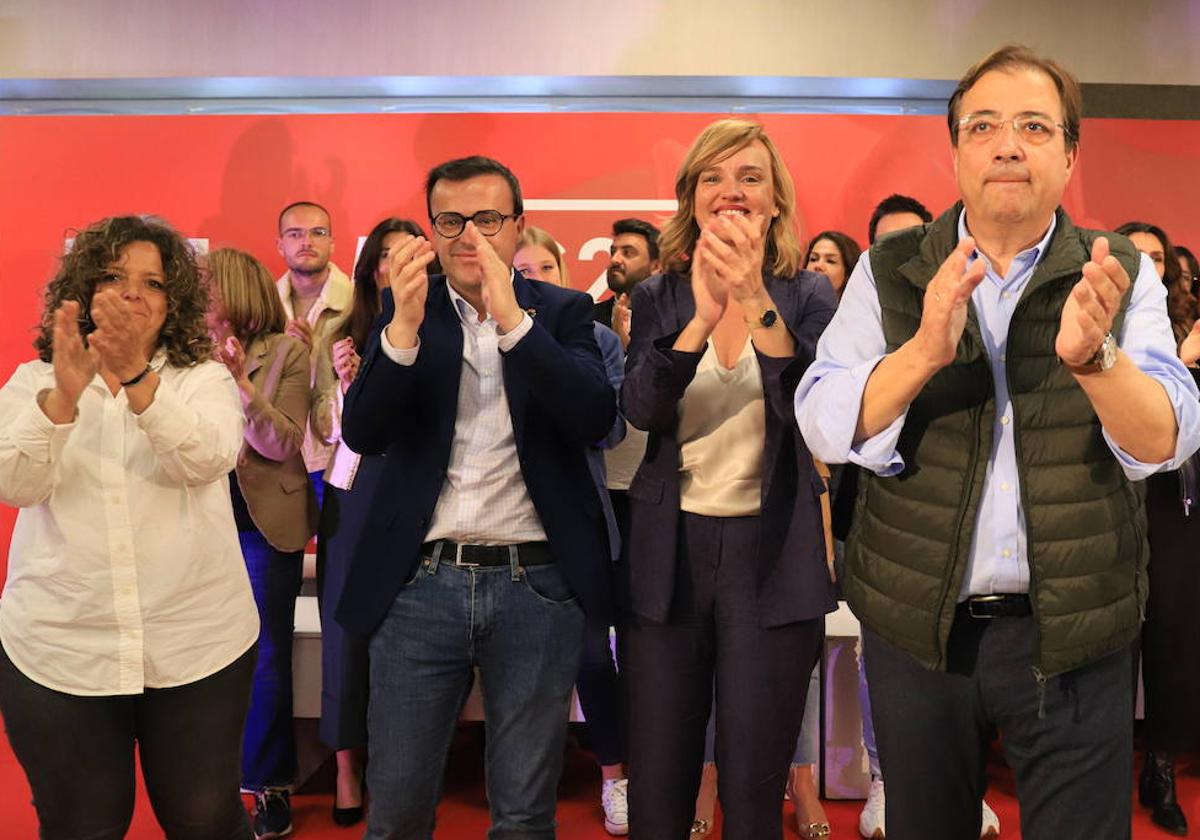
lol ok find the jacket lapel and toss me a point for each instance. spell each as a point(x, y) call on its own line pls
point(256, 353)
point(685, 304)
point(516, 389)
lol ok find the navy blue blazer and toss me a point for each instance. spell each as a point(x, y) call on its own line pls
point(560, 401)
point(793, 580)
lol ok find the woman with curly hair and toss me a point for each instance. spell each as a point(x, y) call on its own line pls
point(274, 506)
point(127, 614)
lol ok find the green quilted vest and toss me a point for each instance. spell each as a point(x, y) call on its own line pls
point(1085, 523)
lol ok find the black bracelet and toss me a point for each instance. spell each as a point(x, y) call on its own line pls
point(136, 379)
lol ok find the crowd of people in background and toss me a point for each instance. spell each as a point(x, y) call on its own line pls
point(979, 431)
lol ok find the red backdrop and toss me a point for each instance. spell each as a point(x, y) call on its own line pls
point(225, 178)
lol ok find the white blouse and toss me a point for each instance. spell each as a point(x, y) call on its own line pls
point(722, 426)
point(124, 571)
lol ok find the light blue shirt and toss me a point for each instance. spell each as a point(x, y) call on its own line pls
point(829, 398)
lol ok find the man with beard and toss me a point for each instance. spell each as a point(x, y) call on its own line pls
point(316, 296)
point(632, 258)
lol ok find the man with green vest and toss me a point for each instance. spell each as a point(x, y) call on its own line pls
point(1005, 379)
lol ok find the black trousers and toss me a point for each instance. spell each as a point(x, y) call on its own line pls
point(714, 637)
point(1070, 743)
point(77, 753)
point(1170, 643)
point(599, 687)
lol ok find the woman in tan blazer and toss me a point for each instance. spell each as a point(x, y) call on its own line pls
point(274, 505)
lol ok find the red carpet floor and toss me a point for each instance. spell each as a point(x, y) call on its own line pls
point(463, 815)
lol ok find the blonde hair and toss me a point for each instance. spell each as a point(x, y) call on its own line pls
point(717, 142)
point(539, 237)
point(247, 293)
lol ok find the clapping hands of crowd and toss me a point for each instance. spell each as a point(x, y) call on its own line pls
point(230, 353)
point(115, 347)
point(499, 297)
point(409, 283)
point(1089, 310)
point(622, 318)
point(945, 311)
point(727, 263)
point(75, 364)
point(345, 362)
point(301, 330)
point(1189, 350)
point(120, 345)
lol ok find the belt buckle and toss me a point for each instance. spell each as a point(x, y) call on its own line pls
point(982, 599)
point(458, 561)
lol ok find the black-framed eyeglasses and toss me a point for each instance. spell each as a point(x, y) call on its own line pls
point(488, 222)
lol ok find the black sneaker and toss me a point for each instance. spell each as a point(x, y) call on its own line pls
point(272, 813)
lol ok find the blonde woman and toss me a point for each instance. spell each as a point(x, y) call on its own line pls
point(274, 506)
point(727, 576)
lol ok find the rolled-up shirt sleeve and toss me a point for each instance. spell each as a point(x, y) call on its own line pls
point(1146, 338)
point(829, 397)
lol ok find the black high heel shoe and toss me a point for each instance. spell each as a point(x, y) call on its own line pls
point(1156, 790)
point(346, 817)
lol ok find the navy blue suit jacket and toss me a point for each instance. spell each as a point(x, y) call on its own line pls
point(560, 401)
point(793, 580)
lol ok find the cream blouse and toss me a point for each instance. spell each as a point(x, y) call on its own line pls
point(722, 425)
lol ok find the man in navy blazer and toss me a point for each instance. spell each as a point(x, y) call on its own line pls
point(483, 389)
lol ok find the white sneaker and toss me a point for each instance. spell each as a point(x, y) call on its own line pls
point(990, 827)
point(614, 799)
point(870, 821)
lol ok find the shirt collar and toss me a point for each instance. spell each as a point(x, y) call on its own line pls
point(337, 293)
point(1025, 260)
point(466, 312)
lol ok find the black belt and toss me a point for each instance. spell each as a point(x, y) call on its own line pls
point(459, 554)
point(997, 606)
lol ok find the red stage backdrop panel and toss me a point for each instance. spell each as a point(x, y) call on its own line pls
point(225, 178)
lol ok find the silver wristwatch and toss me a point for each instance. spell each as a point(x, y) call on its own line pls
point(1105, 358)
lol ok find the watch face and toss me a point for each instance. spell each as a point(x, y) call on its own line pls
point(1108, 352)
point(769, 317)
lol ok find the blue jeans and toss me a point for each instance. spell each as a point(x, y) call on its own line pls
point(523, 628)
point(269, 744)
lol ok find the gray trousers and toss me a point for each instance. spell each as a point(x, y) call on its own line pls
point(1070, 745)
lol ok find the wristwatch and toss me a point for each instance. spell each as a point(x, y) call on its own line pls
point(1104, 359)
point(766, 319)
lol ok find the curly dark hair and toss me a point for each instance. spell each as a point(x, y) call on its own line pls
point(184, 336)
